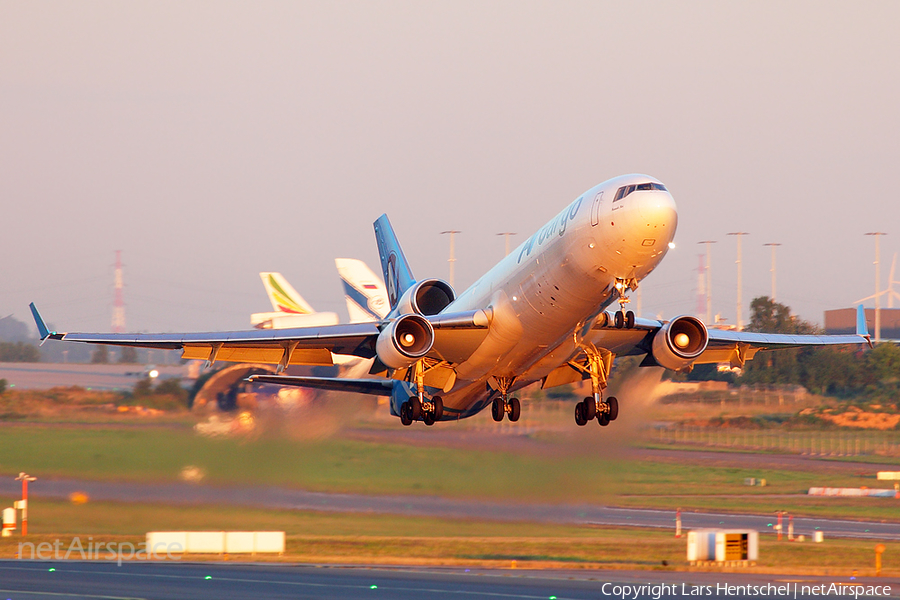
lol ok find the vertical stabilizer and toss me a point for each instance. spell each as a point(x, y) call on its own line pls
point(398, 276)
point(365, 293)
point(283, 296)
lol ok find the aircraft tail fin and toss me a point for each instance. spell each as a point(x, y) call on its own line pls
point(283, 296)
point(363, 290)
point(398, 276)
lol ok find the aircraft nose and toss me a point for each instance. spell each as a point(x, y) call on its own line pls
point(657, 209)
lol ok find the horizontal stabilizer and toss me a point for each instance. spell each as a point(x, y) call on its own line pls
point(376, 387)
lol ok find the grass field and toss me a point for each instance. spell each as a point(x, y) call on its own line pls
point(572, 474)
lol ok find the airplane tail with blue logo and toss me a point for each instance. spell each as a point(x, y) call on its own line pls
point(398, 276)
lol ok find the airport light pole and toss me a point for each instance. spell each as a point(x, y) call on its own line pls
point(452, 258)
point(24, 478)
point(708, 281)
point(773, 245)
point(506, 235)
point(738, 234)
point(877, 235)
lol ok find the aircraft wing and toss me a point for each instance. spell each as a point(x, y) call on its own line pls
point(724, 346)
point(304, 345)
point(376, 387)
point(455, 335)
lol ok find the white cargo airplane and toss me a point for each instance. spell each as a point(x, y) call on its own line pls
point(538, 315)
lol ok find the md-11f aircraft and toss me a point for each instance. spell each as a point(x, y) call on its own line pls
point(541, 314)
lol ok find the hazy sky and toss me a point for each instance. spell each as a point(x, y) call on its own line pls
point(211, 140)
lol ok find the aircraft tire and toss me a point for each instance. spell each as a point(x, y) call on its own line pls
point(613, 404)
point(579, 415)
point(497, 409)
point(515, 409)
point(603, 419)
point(428, 418)
point(415, 408)
point(404, 414)
point(438, 408)
point(629, 320)
point(590, 408)
point(620, 319)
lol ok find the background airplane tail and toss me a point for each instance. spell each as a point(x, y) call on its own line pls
point(365, 293)
point(283, 296)
point(398, 276)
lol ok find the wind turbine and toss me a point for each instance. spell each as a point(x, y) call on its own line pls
point(889, 290)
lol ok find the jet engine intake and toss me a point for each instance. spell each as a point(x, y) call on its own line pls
point(404, 341)
point(680, 342)
point(427, 297)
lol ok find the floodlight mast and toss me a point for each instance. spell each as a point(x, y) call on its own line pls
point(738, 234)
point(773, 245)
point(708, 281)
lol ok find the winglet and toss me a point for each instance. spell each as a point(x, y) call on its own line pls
point(39, 321)
point(861, 327)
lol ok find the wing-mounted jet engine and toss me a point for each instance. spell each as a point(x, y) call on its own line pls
point(679, 342)
point(404, 341)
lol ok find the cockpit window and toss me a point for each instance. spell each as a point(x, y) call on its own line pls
point(641, 187)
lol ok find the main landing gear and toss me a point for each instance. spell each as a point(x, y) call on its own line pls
point(599, 363)
point(428, 411)
point(503, 406)
point(589, 408)
point(418, 406)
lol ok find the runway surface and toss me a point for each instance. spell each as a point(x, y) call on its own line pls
point(584, 514)
point(20, 580)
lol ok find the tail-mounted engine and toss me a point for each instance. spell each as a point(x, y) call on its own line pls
point(404, 341)
point(680, 342)
point(427, 297)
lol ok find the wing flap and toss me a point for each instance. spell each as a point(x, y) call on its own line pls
point(270, 355)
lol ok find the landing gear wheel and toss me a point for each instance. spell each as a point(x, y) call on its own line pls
point(428, 418)
point(613, 404)
point(629, 320)
point(603, 419)
point(515, 409)
point(579, 415)
point(404, 414)
point(415, 408)
point(438, 407)
point(620, 319)
point(590, 408)
point(498, 409)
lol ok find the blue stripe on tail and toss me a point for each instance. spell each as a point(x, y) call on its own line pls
point(398, 276)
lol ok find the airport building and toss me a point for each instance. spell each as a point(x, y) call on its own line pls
point(843, 322)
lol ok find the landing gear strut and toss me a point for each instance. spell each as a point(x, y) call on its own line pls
point(598, 367)
point(624, 318)
point(420, 407)
point(504, 405)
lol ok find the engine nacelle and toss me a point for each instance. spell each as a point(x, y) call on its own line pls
point(404, 341)
point(680, 342)
point(427, 297)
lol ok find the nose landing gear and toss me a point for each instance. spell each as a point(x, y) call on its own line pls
point(624, 318)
